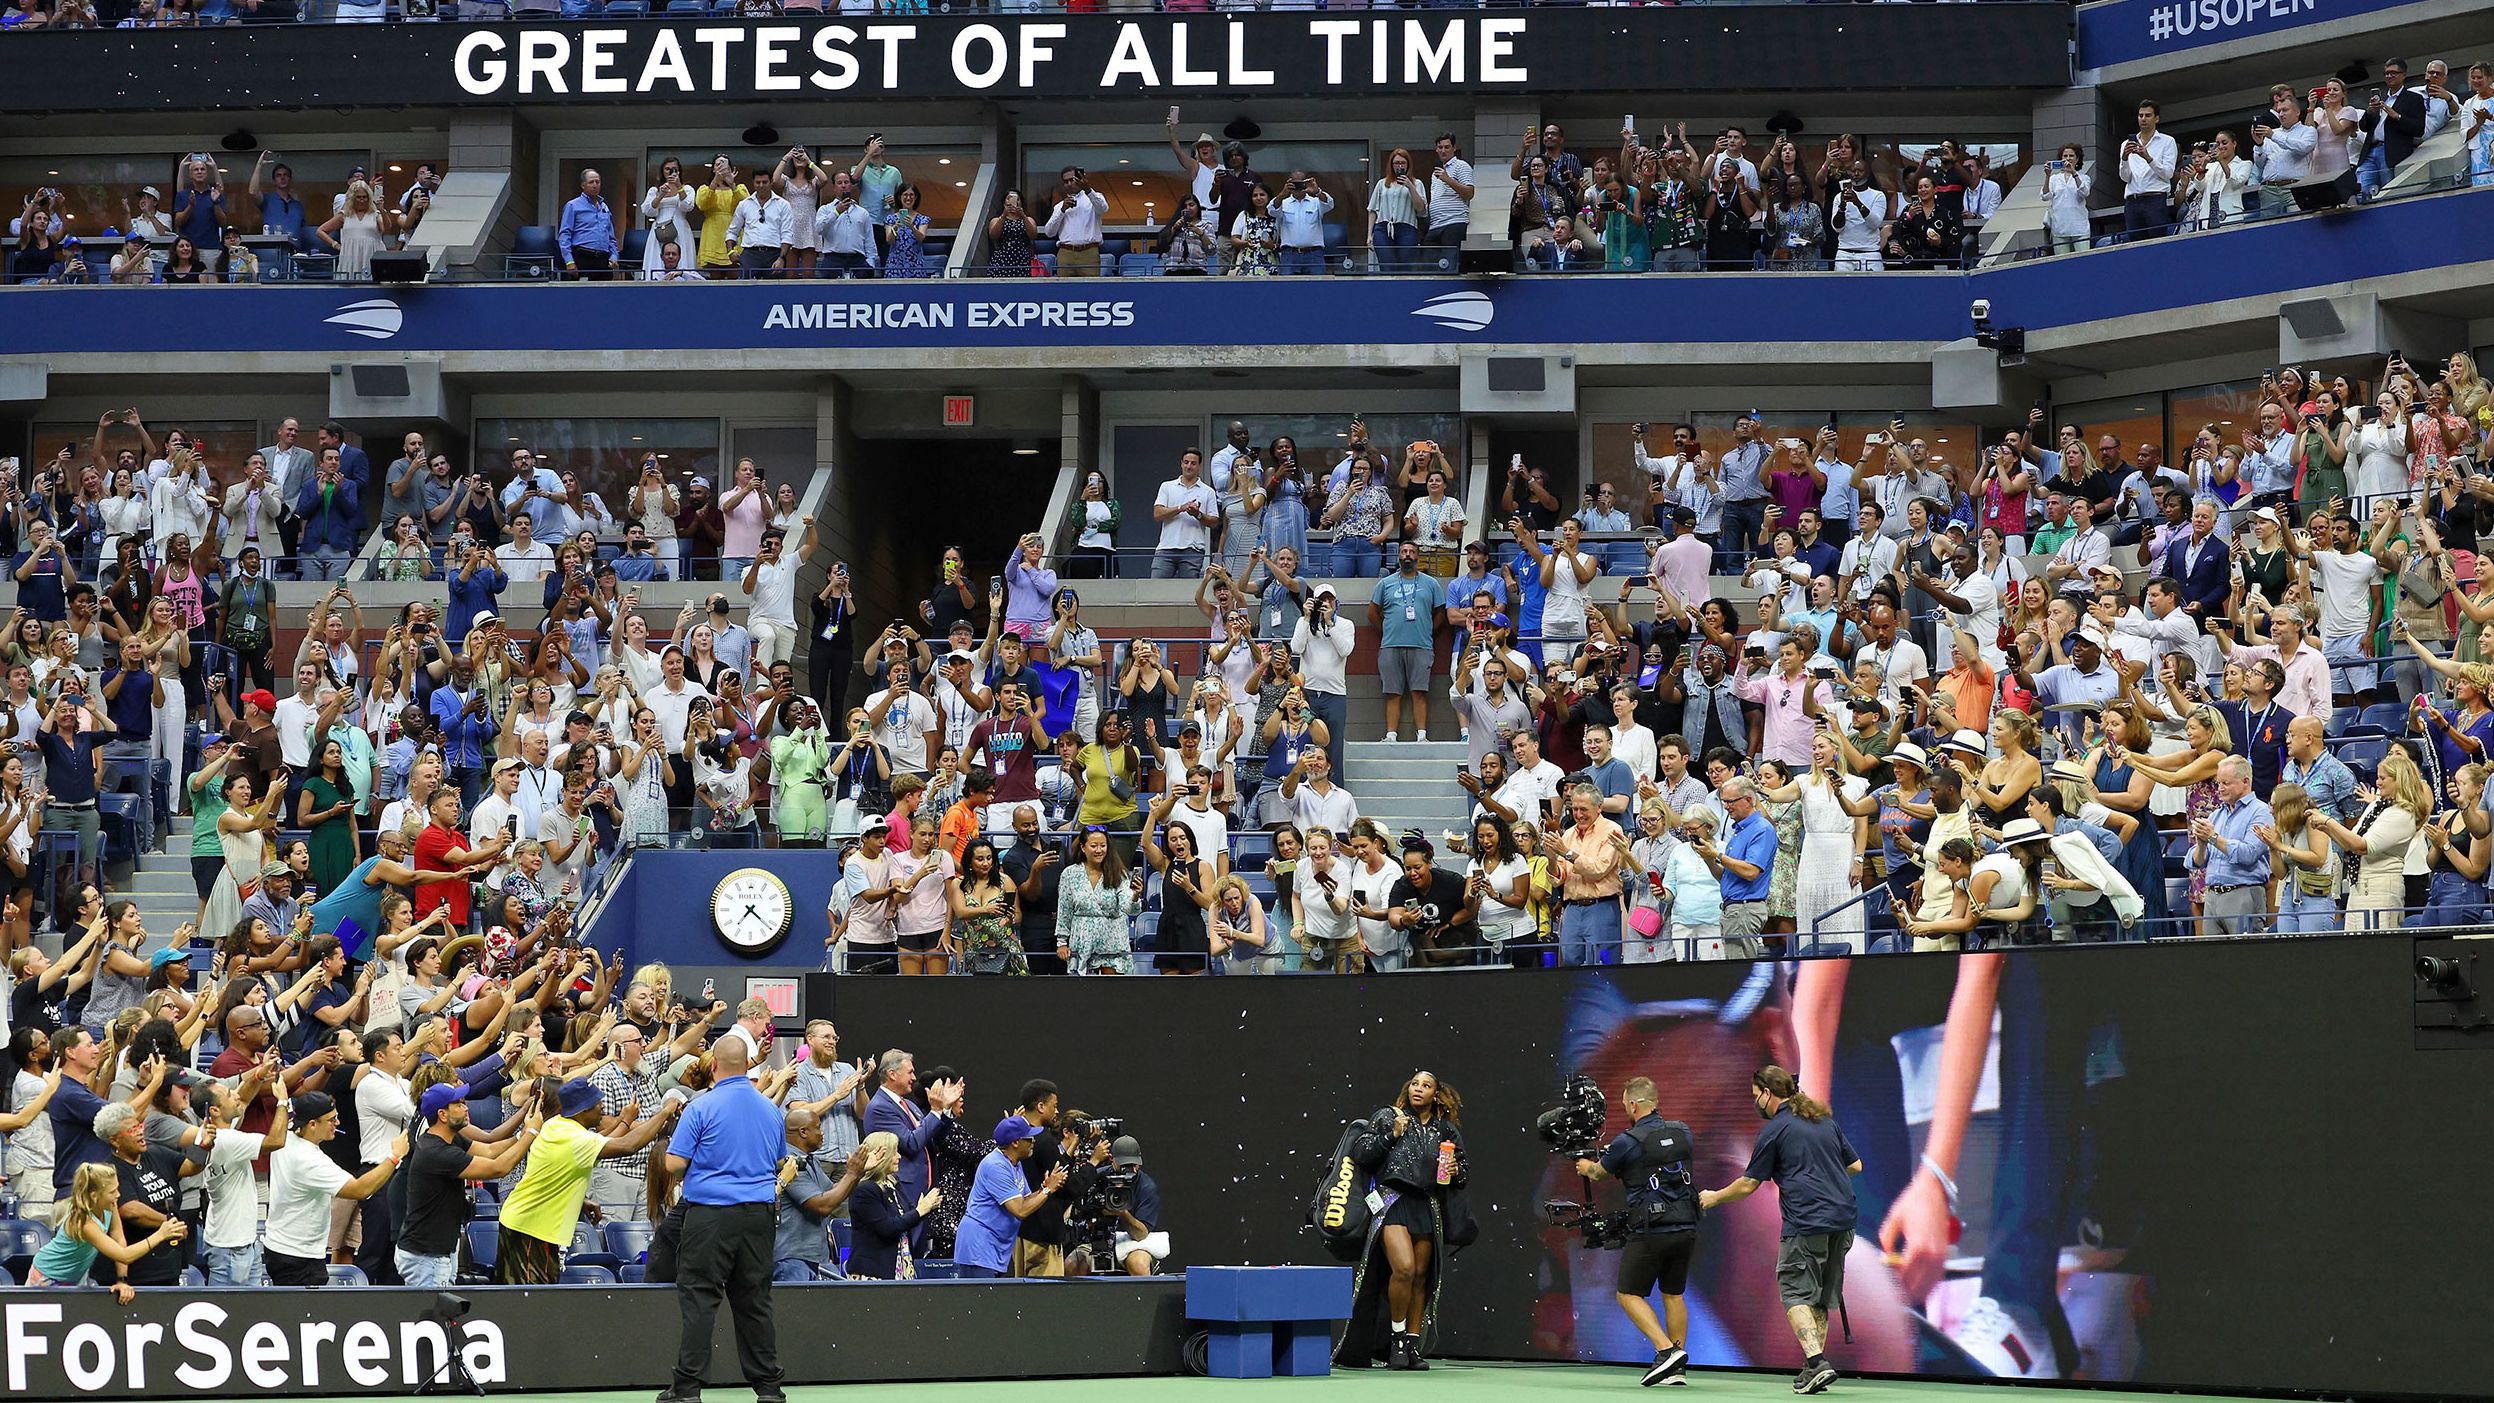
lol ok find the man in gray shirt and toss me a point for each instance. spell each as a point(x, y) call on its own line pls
point(1491, 711)
point(833, 1092)
point(808, 1194)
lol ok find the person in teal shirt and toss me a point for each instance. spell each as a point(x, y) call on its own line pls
point(1405, 611)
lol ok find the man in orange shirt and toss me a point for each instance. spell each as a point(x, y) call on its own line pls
point(441, 847)
point(1969, 683)
point(1586, 853)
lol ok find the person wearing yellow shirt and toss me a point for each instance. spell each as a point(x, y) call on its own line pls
point(717, 202)
point(542, 1214)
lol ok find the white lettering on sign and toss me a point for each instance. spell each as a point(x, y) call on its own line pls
point(205, 1354)
point(1318, 50)
point(2182, 20)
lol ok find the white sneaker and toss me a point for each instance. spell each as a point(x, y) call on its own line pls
point(2009, 1346)
point(1391, 737)
point(1421, 736)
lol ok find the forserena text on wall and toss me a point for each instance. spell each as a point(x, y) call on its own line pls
point(205, 1356)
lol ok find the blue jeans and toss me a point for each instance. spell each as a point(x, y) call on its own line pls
point(2302, 914)
point(419, 1272)
point(1357, 558)
point(966, 1269)
point(2374, 172)
point(2147, 217)
point(794, 1271)
point(1177, 564)
point(1393, 245)
point(240, 1266)
point(2452, 900)
point(732, 568)
point(1742, 524)
point(1302, 262)
point(1589, 935)
point(1332, 709)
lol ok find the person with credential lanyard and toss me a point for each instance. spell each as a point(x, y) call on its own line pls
point(1651, 1160)
point(1806, 1155)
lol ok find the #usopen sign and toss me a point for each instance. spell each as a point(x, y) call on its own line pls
point(205, 1353)
point(1143, 56)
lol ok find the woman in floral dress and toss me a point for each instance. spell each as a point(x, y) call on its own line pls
point(983, 910)
point(1096, 901)
point(907, 257)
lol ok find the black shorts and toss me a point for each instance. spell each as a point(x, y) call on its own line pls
point(1656, 1259)
point(1411, 1212)
point(294, 1271)
point(923, 942)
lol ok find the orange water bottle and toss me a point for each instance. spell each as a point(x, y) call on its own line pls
point(1446, 1161)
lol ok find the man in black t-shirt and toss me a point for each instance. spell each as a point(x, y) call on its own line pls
point(438, 1171)
point(1806, 1155)
point(151, 1193)
point(1034, 868)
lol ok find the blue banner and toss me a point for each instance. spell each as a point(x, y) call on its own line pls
point(2126, 31)
point(1532, 311)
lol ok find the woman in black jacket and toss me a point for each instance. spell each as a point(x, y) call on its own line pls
point(879, 1221)
point(1413, 1151)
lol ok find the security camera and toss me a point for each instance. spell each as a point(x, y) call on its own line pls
point(1982, 310)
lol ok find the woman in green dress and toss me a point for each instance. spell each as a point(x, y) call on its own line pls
point(326, 807)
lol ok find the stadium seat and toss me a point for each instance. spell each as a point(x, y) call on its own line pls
point(629, 1242)
point(1114, 248)
point(2362, 754)
point(7, 1278)
point(578, 1274)
point(1043, 245)
point(635, 247)
point(840, 1234)
point(1139, 265)
point(193, 1276)
point(627, 8)
point(632, 1274)
point(1146, 934)
point(346, 1274)
point(120, 816)
point(1047, 265)
point(484, 1241)
point(534, 250)
point(2390, 716)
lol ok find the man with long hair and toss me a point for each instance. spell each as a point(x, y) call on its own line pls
point(1811, 1162)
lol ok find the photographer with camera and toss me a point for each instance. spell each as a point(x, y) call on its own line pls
point(1651, 1159)
point(1115, 1215)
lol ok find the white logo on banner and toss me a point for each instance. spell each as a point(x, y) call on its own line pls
point(377, 319)
point(1462, 311)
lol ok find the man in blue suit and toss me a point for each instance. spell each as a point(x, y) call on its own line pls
point(892, 1110)
point(2202, 565)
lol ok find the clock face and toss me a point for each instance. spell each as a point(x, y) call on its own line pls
point(751, 910)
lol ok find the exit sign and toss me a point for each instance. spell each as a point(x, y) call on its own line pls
point(960, 411)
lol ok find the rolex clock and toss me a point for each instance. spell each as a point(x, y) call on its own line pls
point(751, 910)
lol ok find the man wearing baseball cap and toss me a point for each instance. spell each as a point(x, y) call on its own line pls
point(1000, 1198)
point(542, 1214)
point(1139, 1244)
point(439, 1169)
point(303, 1182)
point(872, 945)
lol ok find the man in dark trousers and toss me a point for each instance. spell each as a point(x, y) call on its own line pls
point(728, 1150)
point(1652, 1160)
point(1811, 1163)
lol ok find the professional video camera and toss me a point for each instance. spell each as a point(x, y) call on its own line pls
point(1572, 1128)
point(1572, 1125)
point(1106, 1190)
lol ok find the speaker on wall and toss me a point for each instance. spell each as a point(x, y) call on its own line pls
point(400, 268)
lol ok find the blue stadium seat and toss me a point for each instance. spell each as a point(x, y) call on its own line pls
point(629, 1242)
point(1146, 934)
point(1139, 265)
point(535, 252)
point(627, 8)
point(632, 1274)
point(346, 1274)
point(635, 246)
point(2390, 716)
point(2362, 754)
point(193, 1276)
point(1335, 234)
point(938, 248)
point(119, 814)
point(7, 1278)
point(484, 1241)
point(841, 1232)
point(1047, 264)
point(1114, 248)
point(2340, 719)
point(577, 1274)
point(1042, 244)
point(1249, 850)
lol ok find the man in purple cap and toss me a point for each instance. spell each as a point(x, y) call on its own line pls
point(1000, 1198)
point(439, 1169)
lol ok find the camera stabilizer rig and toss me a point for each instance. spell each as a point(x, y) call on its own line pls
point(1571, 1128)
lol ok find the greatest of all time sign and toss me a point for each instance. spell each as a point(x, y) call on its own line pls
point(1124, 57)
point(1640, 52)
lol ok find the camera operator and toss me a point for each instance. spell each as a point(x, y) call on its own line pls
point(1129, 1200)
point(1651, 1160)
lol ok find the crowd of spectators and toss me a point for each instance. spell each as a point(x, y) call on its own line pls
point(502, 1116)
point(1668, 205)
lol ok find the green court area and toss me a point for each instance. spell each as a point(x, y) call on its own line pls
point(1442, 1383)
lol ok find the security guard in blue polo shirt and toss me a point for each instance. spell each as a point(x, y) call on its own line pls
point(1652, 1159)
